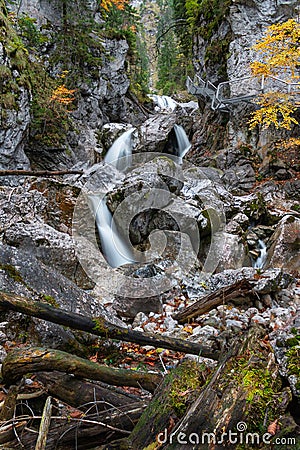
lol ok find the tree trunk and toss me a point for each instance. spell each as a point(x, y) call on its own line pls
point(40, 173)
point(243, 396)
point(25, 360)
point(172, 398)
point(82, 394)
point(100, 327)
point(234, 293)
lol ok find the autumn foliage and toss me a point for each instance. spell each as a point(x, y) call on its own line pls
point(279, 52)
point(118, 4)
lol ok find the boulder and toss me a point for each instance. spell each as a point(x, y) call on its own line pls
point(284, 251)
point(22, 274)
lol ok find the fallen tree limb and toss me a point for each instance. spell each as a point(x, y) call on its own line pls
point(81, 394)
point(40, 173)
point(224, 295)
point(100, 326)
point(44, 425)
point(67, 433)
point(20, 361)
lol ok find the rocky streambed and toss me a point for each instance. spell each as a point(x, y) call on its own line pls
point(198, 232)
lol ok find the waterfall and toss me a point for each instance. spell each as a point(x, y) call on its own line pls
point(182, 141)
point(114, 249)
point(120, 153)
point(164, 102)
point(259, 263)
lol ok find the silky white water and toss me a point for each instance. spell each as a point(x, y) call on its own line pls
point(120, 153)
point(114, 249)
point(260, 262)
point(182, 141)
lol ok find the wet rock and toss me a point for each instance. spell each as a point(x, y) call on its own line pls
point(154, 134)
point(292, 189)
point(231, 252)
point(24, 213)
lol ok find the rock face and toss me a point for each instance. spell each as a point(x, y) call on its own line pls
point(100, 96)
point(244, 23)
point(14, 111)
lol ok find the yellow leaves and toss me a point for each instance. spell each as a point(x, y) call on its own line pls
point(289, 144)
point(63, 95)
point(280, 54)
point(276, 109)
point(119, 4)
point(279, 48)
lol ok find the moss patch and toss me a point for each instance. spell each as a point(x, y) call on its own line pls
point(12, 272)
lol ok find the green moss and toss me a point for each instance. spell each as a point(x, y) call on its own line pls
point(12, 272)
point(293, 358)
point(189, 379)
point(100, 325)
point(261, 390)
point(49, 299)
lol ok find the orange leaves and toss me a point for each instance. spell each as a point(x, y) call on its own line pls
point(118, 4)
point(63, 95)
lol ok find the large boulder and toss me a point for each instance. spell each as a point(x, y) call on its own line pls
point(22, 274)
point(284, 248)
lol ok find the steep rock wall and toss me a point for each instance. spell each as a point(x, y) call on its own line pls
point(100, 93)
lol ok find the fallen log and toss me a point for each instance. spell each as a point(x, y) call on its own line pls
point(232, 293)
point(100, 326)
point(82, 394)
point(174, 395)
point(20, 361)
point(243, 398)
point(40, 173)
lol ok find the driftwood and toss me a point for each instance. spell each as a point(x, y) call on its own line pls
point(232, 293)
point(81, 394)
point(100, 326)
point(40, 173)
point(24, 360)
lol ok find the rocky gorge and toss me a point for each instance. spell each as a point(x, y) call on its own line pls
point(214, 239)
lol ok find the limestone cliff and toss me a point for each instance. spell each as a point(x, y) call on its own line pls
point(52, 38)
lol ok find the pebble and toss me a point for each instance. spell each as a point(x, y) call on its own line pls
point(170, 324)
point(150, 327)
point(139, 319)
point(205, 331)
point(235, 325)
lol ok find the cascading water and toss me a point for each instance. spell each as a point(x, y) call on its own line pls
point(260, 262)
point(164, 102)
point(120, 153)
point(115, 250)
point(183, 142)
